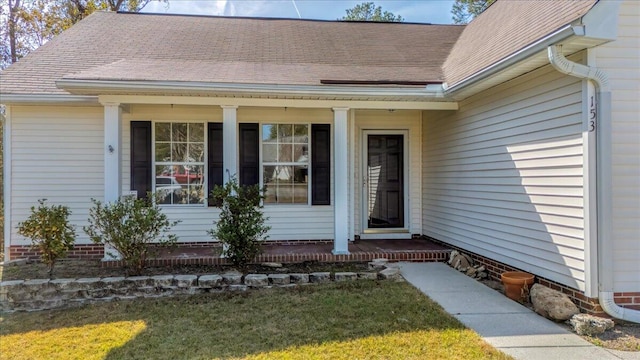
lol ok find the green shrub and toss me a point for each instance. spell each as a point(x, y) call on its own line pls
point(130, 226)
point(50, 232)
point(241, 225)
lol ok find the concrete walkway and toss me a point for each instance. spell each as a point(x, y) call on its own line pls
point(503, 323)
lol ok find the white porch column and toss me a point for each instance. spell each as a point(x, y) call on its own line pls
point(229, 141)
point(112, 152)
point(112, 160)
point(341, 182)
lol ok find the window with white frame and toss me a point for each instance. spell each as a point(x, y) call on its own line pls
point(285, 163)
point(179, 162)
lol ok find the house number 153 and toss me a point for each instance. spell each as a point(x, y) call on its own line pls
point(593, 113)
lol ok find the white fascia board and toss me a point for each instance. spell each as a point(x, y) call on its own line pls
point(81, 85)
point(48, 99)
point(266, 102)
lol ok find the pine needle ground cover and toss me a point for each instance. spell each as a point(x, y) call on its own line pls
point(360, 320)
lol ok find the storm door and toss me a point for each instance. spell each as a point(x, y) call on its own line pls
point(384, 181)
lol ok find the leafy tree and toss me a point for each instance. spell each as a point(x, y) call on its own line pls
point(367, 11)
point(464, 11)
point(50, 232)
point(27, 24)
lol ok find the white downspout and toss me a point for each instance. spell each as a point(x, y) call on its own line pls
point(603, 178)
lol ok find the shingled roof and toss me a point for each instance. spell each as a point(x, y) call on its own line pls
point(506, 27)
point(124, 46)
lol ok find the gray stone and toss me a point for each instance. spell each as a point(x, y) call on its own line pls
point(279, 279)
point(367, 276)
point(36, 282)
point(185, 281)
point(162, 281)
point(320, 277)
point(232, 278)
point(256, 280)
point(237, 287)
point(116, 282)
point(585, 324)
point(345, 276)
point(552, 304)
point(98, 293)
point(89, 283)
point(209, 281)
point(378, 264)
point(272, 265)
point(10, 283)
point(299, 278)
point(389, 274)
point(62, 284)
point(144, 291)
point(138, 281)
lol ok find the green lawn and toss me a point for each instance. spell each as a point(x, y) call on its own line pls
point(361, 320)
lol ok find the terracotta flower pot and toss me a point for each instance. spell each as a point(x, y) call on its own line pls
point(516, 284)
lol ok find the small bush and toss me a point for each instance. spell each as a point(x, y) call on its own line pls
point(50, 232)
point(241, 225)
point(130, 225)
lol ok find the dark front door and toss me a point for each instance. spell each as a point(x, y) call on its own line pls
point(385, 183)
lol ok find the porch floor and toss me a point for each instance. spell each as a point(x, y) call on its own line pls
point(419, 250)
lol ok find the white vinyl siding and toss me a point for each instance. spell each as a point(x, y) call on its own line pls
point(409, 121)
point(288, 222)
point(621, 61)
point(503, 176)
point(57, 154)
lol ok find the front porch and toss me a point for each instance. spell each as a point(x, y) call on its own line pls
point(419, 250)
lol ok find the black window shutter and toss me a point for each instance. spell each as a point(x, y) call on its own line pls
point(141, 157)
point(214, 149)
point(320, 164)
point(249, 154)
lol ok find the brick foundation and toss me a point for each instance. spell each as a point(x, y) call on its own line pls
point(630, 300)
point(85, 252)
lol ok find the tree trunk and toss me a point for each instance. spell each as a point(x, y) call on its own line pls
point(13, 14)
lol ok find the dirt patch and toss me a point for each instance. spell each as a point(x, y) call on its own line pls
point(75, 269)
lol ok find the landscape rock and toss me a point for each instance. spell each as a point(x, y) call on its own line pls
point(163, 281)
point(459, 261)
point(552, 304)
point(378, 264)
point(232, 278)
point(209, 281)
point(185, 281)
point(279, 279)
point(320, 277)
point(389, 274)
point(272, 265)
point(367, 276)
point(346, 276)
point(585, 324)
point(299, 278)
point(256, 280)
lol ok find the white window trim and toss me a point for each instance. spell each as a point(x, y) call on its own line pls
point(205, 162)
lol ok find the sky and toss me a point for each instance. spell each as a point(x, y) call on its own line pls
point(421, 11)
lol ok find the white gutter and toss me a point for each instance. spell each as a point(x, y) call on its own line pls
point(522, 54)
point(62, 99)
point(603, 178)
point(78, 85)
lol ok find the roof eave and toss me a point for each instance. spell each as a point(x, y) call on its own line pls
point(99, 87)
point(48, 99)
